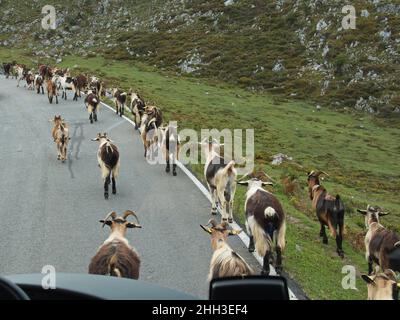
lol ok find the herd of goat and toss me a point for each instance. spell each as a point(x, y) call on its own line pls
point(265, 217)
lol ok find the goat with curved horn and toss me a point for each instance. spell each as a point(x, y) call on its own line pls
point(112, 215)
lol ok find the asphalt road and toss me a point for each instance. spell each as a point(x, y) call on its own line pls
point(49, 211)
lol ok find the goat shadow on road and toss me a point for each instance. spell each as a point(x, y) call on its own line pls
point(75, 147)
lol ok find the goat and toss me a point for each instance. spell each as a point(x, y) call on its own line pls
point(92, 101)
point(265, 221)
point(116, 257)
point(8, 68)
point(96, 86)
point(220, 176)
point(119, 100)
point(151, 122)
point(330, 210)
point(60, 134)
point(137, 107)
point(109, 162)
point(80, 83)
point(225, 262)
point(46, 72)
point(38, 83)
point(51, 86)
point(66, 83)
point(170, 147)
point(30, 80)
point(382, 285)
point(21, 73)
point(382, 246)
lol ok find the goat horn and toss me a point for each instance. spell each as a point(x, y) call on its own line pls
point(245, 176)
point(268, 176)
point(112, 214)
point(212, 222)
point(321, 172)
point(130, 213)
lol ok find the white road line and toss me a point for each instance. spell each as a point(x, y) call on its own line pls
point(243, 235)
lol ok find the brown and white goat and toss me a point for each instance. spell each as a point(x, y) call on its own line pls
point(21, 73)
point(109, 162)
point(30, 80)
point(221, 179)
point(330, 210)
point(265, 221)
point(120, 98)
point(225, 262)
point(92, 102)
point(38, 83)
point(116, 257)
point(382, 285)
point(382, 246)
point(52, 91)
point(170, 147)
point(137, 107)
point(80, 83)
point(60, 134)
point(149, 128)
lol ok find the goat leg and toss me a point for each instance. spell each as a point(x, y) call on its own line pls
point(106, 183)
point(168, 168)
point(370, 268)
point(323, 234)
point(339, 246)
point(114, 187)
point(278, 260)
point(251, 244)
point(174, 169)
point(266, 268)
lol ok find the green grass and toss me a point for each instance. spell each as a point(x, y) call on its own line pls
point(362, 161)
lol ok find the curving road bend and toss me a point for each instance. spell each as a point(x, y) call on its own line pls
point(49, 211)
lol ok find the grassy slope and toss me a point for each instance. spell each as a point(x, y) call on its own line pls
point(363, 163)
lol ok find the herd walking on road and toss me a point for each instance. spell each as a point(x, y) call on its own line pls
point(265, 216)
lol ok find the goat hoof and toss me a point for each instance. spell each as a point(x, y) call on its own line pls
point(279, 270)
point(252, 248)
point(167, 170)
point(325, 241)
point(265, 272)
point(114, 191)
point(230, 220)
point(341, 253)
point(106, 196)
point(214, 211)
point(174, 174)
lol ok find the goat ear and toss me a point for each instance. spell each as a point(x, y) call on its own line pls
point(131, 225)
point(206, 229)
point(364, 212)
point(105, 222)
point(381, 214)
point(267, 184)
point(367, 279)
point(234, 232)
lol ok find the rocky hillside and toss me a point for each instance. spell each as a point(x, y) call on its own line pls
point(294, 48)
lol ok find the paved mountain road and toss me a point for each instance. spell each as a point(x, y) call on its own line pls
point(49, 211)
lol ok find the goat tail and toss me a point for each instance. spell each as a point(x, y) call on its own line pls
point(112, 268)
point(262, 240)
point(230, 167)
